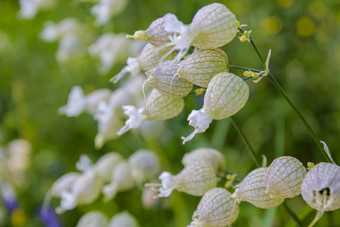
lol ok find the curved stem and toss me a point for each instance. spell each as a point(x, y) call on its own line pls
point(246, 141)
point(280, 89)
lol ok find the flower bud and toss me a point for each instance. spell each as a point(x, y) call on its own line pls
point(163, 78)
point(155, 33)
point(121, 180)
point(215, 26)
point(253, 190)
point(93, 219)
point(105, 165)
point(145, 165)
point(216, 208)
point(158, 107)
point(123, 219)
point(284, 177)
point(209, 155)
point(321, 187)
point(202, 65)
point(195, 179)
point(226, 95)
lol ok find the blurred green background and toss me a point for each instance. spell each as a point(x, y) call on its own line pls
point(305, 42)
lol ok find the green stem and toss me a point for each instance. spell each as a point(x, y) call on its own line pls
point(245, 68)
point(292, 214)
point(246, 141)
point(280, 89)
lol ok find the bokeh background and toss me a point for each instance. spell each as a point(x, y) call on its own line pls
point(305, 42)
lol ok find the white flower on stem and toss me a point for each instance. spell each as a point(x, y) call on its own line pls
point(194, 179)
point(225, 96)
point(64, 183)
point(75, 104)
point(157, 107)
point(84, 164)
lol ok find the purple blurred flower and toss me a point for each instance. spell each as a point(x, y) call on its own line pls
point(9, 197)
point(49, 217)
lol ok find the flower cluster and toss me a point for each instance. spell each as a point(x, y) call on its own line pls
point(173, 75)
point(110, 174)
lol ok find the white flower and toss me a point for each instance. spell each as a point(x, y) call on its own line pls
point(110, 48)
point(29, 8)
point(106, 9)
point(94, 98)
point(75, 104)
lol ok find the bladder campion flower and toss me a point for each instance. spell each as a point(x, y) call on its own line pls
point(226, 95)
point(194, 179)
point(217, 208)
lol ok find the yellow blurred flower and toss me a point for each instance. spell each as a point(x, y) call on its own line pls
point(318, 10)
point(18, 218)
point(305, 27)
point(285, 3)
point(272, 25)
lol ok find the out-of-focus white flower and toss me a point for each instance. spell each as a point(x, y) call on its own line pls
point(105, 165)
point(85, 189)
point(94, 98)
point(108, 124)
point(29, 8)
point(106, 9)
point(111, 48)
point(145, 165)
point(19, 156)
point(122, 180)
point(93, 219)
point(64, 183)
point(123, 219)
point(75, 104)
point(72, 34)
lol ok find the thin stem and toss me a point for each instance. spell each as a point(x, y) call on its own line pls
point(280, 89)
point(246, 141)
point(245, 68)
point(231, 173)
point(292, 214)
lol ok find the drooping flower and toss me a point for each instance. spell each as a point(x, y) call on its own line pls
point(157, 107)
point(217, 208)
point(107, 9)
point(321, 187)
point(104, 167)
point(204, 154)
point(75, 104)
point(252, 189)
point(284, 177)
point(164, 80)
point(226, 95)
point(194, 179)
point(202, 65)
